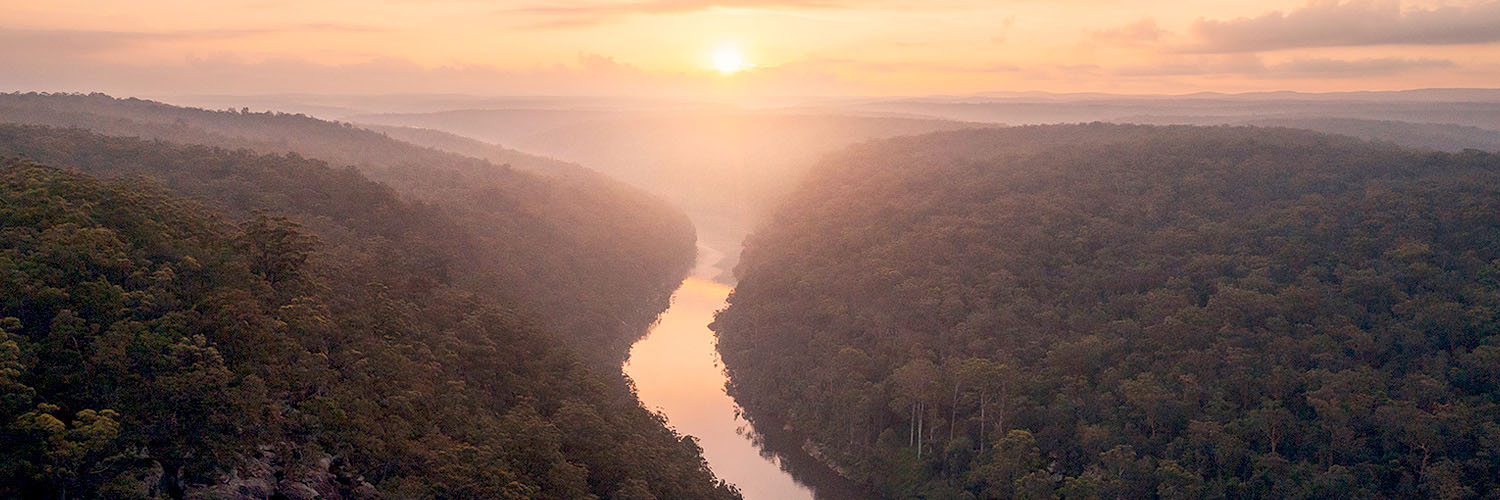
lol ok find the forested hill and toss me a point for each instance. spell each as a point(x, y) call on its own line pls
point(594, 258)
point(499, 155)
point(267, 131)
point(339, 206)
point(1109, 311)
point(149, 349)
point(1436, 136)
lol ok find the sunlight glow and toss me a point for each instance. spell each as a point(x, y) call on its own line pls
point(728, 60)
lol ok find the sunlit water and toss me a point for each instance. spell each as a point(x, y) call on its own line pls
point(677, 371)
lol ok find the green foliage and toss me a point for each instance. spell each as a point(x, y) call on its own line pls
point(150, 349)
point(277, 250)
point(1105, 311)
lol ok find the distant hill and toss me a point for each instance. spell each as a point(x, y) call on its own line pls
point(689, 155)
point(1109, 311)
point(1449, 108)
point(1435, 136)
point(498, 125)
point(726, 161)
point(543, 234)
point(493, 153)
point(1412, 95)
point(726, 168)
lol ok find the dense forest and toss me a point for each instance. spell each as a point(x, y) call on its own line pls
point(1464, 107)
point(1108, 311)
point(594, 258)
point(1436, 136)
point(152, 349)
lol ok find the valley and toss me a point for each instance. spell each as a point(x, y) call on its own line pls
point(968, 285)
point(749, 250)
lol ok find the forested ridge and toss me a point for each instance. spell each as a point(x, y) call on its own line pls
point(596, 259)
point(1436, 136)
point(1109, 311)
point(151, 349)
point(496, 154)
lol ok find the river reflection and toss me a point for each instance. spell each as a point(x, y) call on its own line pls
point(676, 370)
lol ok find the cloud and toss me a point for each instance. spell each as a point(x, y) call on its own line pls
point(588, 75)
point(1251, 66)
point(1236, 64)
point(1325, 23)
point(1003, 26)
point(1361, 68)
point(904, 66)
point(49, 43)
point(1138, 32)
point(576, 15)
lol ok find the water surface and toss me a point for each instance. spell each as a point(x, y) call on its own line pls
point(677, 371)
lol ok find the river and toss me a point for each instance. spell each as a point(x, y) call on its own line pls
point(676, 371)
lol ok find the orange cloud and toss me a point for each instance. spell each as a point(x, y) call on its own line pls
point(577, 15)
point(1141, 31)
point(1355, 23)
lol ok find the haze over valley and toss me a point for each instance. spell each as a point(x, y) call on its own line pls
point(749, 249)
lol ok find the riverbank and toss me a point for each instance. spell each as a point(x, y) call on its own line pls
point(676, 372)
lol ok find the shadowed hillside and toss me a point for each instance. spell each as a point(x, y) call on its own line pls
point(539, 234)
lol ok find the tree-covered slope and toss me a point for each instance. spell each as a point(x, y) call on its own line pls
point(1106, 311)
point(544, 232)
point(1435, 136)
point(150, 349)
point(475, 148)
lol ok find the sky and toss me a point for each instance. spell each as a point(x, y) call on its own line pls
point(668, 48)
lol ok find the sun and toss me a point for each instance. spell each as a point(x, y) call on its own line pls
point(728, 60)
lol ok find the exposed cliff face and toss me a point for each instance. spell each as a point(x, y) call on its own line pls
point(293, 474)
point(282, 472)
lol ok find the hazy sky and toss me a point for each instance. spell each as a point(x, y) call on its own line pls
point(796, 47)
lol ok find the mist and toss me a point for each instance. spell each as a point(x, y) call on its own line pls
point(753, 250)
